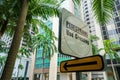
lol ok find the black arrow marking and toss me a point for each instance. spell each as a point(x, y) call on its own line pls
point(66, 65)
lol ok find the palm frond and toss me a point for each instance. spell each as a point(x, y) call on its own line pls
point(3, 59)
point(76, 2)
point(103, 10)
point(44, 9)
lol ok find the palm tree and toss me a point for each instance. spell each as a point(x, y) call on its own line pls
point(12, 54)
point(8, 16)
point(48, 46)
point(43, 10)
point(10, 12)
point(95, 49)
point(109, 51)
point(45, 40)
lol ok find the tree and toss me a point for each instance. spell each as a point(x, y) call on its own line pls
point(109, 51)
point(47, 45)
point(40, 11)
point(8, 16)
point(95, 49)
point(12, 54)
point(10, 12)
point(45, 41)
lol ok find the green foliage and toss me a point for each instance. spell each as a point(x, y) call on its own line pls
point(20, 66)
point(3, 47)
point(47, 42)
point(93, 38)
point(95, 49)
point(108, 47)
point(2, 59)
point(9, 10)
point(43, 8)
point(103, 10)
point(25, 51)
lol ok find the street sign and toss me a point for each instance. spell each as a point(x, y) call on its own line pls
point(73, 36)
point(92, 63)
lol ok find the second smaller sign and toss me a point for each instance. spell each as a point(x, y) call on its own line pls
point(92, 63)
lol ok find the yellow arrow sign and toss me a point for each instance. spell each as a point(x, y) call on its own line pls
point(92, 63)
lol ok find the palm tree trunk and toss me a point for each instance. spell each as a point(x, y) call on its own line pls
point(43, 69)
point(113, 70)
point(12, 54)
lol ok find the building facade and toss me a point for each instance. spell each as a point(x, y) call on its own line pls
point(24, 61)
point(108, 31)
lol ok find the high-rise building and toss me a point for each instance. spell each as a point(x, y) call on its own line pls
point(108, 31)
point(24, 61)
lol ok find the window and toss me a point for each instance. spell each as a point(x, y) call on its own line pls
point(105, 37)
point(87, 19)
point(117, 19)
point(117, 2)
point(103, 28)
point(116, 31)
point(85, 4)
point(104, 32)
point(118, 24)
point(86, 12)
point(116, 14)
point(86, 8)
point(119, 30)
point(118, 7)
point(87, 15)
point(90, 31)
point(88, 22)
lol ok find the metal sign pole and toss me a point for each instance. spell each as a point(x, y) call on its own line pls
point(78, 76)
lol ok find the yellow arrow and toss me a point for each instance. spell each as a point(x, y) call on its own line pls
point(92, 63)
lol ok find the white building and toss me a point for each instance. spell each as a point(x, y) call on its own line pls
point(109, 31)
point(24, 61)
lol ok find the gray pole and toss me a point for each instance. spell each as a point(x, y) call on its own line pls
point(78, 76)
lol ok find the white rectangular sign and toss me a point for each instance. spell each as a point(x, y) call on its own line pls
point(73, 36)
